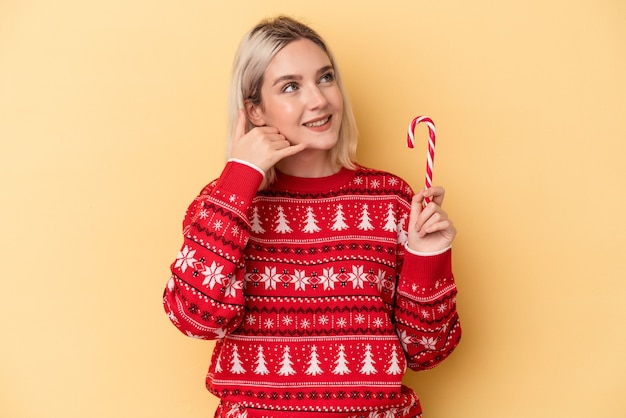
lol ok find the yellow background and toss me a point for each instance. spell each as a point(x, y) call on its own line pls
point(112, 117)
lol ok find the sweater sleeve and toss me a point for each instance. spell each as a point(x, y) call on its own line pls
point(426, 318)
point(204, 295)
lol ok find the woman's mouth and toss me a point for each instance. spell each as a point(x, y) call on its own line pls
point(317, 123)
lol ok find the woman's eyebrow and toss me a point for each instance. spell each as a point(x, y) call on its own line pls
point(292, 77)
point(325, 69)
point(287, 77)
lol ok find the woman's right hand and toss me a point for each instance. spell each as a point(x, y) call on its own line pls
point(263, 146)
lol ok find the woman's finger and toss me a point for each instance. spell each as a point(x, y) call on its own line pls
point(436, 194)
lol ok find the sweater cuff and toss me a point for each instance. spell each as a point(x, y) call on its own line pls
point(426, 276)
point(249, 164)
point(241, 180)
point(424, 253)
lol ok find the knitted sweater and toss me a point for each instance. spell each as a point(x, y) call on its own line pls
point(316, 305)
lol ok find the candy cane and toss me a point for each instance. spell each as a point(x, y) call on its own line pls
point(431, 147)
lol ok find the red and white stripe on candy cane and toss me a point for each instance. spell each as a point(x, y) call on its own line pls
point(430, 157)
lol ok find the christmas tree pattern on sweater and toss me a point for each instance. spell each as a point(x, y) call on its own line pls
point(308, 289)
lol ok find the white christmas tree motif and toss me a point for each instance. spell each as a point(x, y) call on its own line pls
point(390, 225)
point(368, 362)
point(218, 365)
point(286, 363)
point(339, 221)
point(213, 275)
point(255, 225)
point(314, 363)
point(402, 236)
point(282, 224)
point(261, 364)
point(394, 362)
point(310, 223)
point(236, 366)
point(366, 224)
point(341, 363)
point(185, 259)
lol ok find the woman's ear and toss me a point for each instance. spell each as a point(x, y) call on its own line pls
point(254, 113)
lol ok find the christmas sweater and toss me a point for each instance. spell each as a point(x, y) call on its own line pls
point(316, 304)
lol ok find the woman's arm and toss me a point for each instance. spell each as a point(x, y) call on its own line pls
point(427, 321)
point(426, 318)
point(204, 296)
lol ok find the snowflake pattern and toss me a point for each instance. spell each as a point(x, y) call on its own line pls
point(185, 259)
point(363, 266)
point(405, 339)
point(232, 286)
point(213, 275)
point(328, 279)
point(429, 343)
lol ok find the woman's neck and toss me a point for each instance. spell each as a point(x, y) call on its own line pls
point(309, 164)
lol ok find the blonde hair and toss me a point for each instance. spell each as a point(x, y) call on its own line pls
point(255, 52)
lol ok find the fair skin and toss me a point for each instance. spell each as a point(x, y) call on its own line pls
point(297, 124)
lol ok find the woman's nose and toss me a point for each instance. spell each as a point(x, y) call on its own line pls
point(316, 98)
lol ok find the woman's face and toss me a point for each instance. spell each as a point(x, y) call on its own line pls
point(300, 96)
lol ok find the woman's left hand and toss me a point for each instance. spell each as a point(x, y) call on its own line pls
point(430, 229)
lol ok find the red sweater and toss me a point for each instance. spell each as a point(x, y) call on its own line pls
point(315, 302)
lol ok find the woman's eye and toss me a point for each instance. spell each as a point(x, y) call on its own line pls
point(328, 77)
point(290, 87)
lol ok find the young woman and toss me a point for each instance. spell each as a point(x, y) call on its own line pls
point(320, 280)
